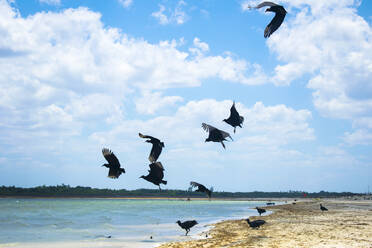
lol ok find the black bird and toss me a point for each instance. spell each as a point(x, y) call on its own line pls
point(156, 174)
point(215, 134)
point(255, 223)
point(113, 164)
point(260, 210)
point(201, 188)
point(270, 203)
point(323, 208)
point(157, 146)
point(235, 120)
point(187, 225)
point(278, 19)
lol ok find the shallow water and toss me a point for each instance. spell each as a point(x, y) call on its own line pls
point(127, 221)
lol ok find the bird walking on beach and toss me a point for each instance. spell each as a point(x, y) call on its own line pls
point(323, 208)
point(113, 164)
point(260, 210)
point(278, 19)
point(256, 223)
point(187, 225)
point(201, 188)
point(156, 174)
point(235, 120)
point(216, 135)
point(156, 149)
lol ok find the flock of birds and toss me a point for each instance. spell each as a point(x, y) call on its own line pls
point(156, 172)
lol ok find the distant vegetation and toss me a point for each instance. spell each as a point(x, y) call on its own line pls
point(79, 191)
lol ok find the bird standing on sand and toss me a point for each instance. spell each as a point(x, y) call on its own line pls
point(113, 164)
point(156, 149)
point(260, 210)
point(187, 225)
point(156, 174)
point(255, 224)
point(323, 208)
point(278, 19)
point(201, 188)
point(235, 120)
point(215, 135)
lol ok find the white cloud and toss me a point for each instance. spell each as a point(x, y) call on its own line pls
point(73, 76)
point(167, 16)
point(359, 137)
point(162, 18)
point(126, 3)
point(329, 42)
point(150, 103)
point(51, 2)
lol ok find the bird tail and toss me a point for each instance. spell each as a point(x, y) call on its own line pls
point(122, 170)
point(164, 182)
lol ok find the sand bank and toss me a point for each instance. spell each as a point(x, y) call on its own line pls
point(346, 224)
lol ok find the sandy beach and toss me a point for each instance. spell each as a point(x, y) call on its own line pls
point(346, 224)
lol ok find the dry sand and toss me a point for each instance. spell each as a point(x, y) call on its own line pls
point(347, 224)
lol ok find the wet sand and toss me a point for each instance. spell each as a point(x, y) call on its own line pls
point(347, 224)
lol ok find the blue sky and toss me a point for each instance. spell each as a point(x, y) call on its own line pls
point(77, 76)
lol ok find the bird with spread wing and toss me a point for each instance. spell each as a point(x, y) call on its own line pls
point(201, 188)
point(278, 19)
point(156, 149)
point(215, 134)
point(113, 164)
point(156, 174)
point(234, 120)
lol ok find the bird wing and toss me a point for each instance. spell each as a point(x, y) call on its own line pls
point(145, 136)
point(264, 4)
point(208, 128)
point(195, 184)
point(156, 170)
point(113, 173)
point(225, 134)
point(233, 111)
point(155, 152)
point(111, 158)
point(275, 22)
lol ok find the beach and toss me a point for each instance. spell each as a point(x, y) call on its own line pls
point(347, 223)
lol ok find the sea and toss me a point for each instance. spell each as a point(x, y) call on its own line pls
point(121, 223)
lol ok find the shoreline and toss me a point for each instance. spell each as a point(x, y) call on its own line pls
point(346, 224)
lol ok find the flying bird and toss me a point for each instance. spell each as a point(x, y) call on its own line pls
point(113, 164)
point(187, 225)
point(215, 134)
point(260, 210)
point(156, 174)
point(256, 223)
point(323, 208)
point(201, 188)
point(234, 119)
point(157, 146)
point(278, 19)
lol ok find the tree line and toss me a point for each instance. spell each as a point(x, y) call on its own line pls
point(80, 191)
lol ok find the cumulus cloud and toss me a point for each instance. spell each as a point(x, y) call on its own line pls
point(329, 42)
point(150, 103)
point(168, 16)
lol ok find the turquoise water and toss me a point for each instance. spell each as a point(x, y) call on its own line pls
point(56, 220)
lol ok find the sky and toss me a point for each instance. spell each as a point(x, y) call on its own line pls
point(77, 76)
